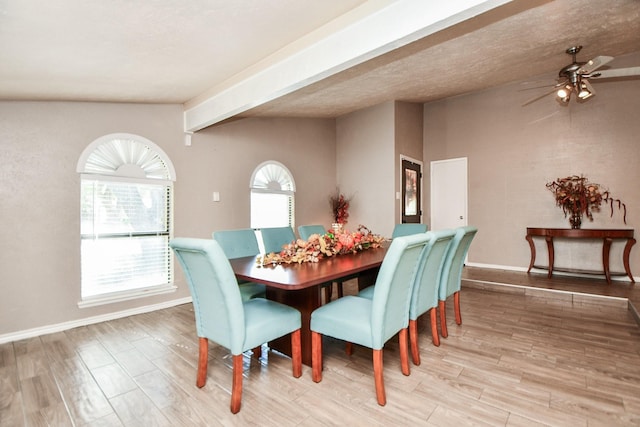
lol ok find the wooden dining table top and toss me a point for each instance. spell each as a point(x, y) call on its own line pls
point(296, 276)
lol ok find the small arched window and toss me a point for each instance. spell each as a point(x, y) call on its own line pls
point(126, 195)
point(272, 196)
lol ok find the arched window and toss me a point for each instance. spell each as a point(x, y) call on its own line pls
point(272, 196)
point(126, 191)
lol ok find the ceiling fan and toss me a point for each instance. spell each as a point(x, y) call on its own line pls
point(574, 78)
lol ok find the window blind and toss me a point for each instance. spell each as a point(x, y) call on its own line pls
point(125, 230)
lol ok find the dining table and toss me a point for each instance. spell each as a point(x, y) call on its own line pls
point(299, 284)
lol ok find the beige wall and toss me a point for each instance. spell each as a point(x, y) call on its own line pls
point(39, 192)
point(369, 145)
point(514, 151)
point(366, 166)
point(408, 143)
point(222, 158)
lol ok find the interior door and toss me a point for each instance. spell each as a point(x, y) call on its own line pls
point(448, 193)
point(411, 190)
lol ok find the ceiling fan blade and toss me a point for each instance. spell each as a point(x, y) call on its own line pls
point(616, 72)
point(594, 64)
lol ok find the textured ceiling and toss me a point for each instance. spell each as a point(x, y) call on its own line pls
point(527, 45)
point(170, 51)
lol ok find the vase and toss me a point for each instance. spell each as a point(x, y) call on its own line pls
point(575, 220)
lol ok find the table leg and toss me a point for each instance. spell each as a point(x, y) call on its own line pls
point(606, 248)
point(304, 300)
point(625, 258)
point(533, 252)
point(550, 249)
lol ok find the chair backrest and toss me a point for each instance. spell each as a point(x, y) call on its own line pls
point(392, 294)
point(408, 229)
point(307, 230)
point(452, 270)
point(217, 303)
point(237, 243)
point(425, 290)
point(273, 238)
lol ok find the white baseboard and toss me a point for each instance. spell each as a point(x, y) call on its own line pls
point(59, 327)
point(558, 273)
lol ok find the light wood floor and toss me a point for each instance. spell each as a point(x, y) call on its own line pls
point(516, 360)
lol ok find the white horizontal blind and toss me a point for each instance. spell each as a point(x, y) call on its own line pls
point(125, 230)
point(270, 210)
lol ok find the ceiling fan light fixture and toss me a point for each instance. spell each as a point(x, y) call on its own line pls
point(584, 92)
point(564, 93)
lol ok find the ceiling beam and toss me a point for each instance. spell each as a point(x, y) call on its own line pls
point(375, 28)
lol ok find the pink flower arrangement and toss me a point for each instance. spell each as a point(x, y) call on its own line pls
point(322, 246)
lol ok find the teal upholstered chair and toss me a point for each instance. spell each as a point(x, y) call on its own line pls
point(307, 230)
point(424, 298)
point(452, 274)
point(224, 318)
point(274, 238)
point(237, 244)
point(372, 322)
point(408, 229)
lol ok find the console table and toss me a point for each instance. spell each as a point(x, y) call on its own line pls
point(607, 236)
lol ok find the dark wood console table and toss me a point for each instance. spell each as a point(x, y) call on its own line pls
point(607, 236)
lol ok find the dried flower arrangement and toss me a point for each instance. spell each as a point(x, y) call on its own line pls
point(319, 246)
point(339, 207)
point(577, 196)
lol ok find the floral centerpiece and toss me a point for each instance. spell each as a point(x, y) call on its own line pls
point(319, 246)
point(579, 197)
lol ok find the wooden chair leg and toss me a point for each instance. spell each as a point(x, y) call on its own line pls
point(257, 352)
point(203, 359)
point(348, 348)
point(236, 386)
point(443, 318)
point(404, 351)
point(413, 341)
point(435, 336)
point(340, 289)
point(296, 353)
point(316, 357)
point(456, 307)
point(379, 380)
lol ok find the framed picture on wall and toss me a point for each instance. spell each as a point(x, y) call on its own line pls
point(411, 180)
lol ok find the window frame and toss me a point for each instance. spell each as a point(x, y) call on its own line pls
point(268, 188)
point(159, 173)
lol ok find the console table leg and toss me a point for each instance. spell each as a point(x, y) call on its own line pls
point(625, 258)
point(549, 240)
point(606, 248)
point(533, 253)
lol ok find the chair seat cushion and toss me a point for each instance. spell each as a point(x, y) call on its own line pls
point(347, 318)
point(266, 320)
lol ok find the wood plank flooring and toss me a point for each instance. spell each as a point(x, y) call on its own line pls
point(520, 358)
